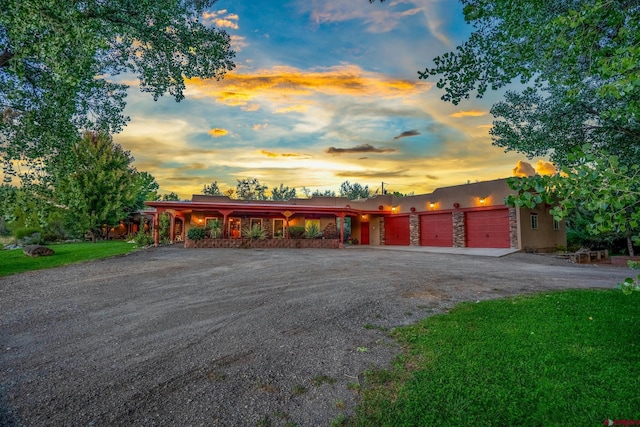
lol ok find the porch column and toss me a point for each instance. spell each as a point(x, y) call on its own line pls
point(287, 215)
point(156, 231)
point(341, 244)
point(225, 224)
point(172, 229)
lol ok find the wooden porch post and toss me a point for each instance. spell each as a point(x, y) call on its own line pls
point(172, 229)
point(225, 224)
point(156, 231)
point(341, 244)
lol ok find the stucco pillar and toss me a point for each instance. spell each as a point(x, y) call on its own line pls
point(459, 235)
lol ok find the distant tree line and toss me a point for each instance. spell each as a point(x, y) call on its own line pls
point(251, 189)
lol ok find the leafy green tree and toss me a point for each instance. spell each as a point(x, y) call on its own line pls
point(562, 43)
point(147, 187)
point(599, 183)
point(283, 193)
point(251, 189)
point(170, 197)
point(58, 60)
point(325, 193)
point(212, 189)
point(95, 184)
point(354, 191)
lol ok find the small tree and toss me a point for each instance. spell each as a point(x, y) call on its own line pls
point(95, 184)
point(283, 193)
point(212, 189)
point(354, 191)
point(251, 189)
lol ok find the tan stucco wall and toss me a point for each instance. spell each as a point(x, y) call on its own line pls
point(466, 196)
point(544, 238)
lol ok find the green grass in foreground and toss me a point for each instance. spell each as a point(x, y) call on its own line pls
point(567, 358)
point(14, 261)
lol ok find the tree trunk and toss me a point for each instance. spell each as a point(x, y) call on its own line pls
point(630, 245)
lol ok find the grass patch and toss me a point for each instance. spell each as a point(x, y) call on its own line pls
point(14, 261)
point(552, 359)
point(318, 380)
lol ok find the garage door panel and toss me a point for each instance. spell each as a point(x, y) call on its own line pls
point(436, 230)
point(488, 229)
point(396, 230)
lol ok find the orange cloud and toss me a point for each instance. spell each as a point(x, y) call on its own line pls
point(291, 109)
point(272, 154)
point(470, 113)
point(221, 19)
point(286, 85)
point(259, 126)
point(545, 168)
point(217, 132)
point(523, 169)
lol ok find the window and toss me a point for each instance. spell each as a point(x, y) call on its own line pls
point(278, 228)
point(256, 221)
point(556, 224)
point(214, 226)
point(534, 221)
point(234, 228)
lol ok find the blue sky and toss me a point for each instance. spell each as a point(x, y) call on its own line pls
point(323, 92)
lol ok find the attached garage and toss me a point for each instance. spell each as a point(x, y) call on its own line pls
point(396, 231)
point(487, 229)
point(436, 230)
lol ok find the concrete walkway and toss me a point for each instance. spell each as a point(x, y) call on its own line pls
point(490, 252)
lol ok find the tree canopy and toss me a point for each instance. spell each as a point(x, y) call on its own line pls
point(354, 191)
point(58, 60)
point(580, 59)
point(99, 185)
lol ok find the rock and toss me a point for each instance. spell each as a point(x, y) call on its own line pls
point(37, 250)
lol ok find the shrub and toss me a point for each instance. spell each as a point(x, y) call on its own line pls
point(255, 232)
point(312, 231)
point(143, 239)
point(34, 239)
point(21, 233)
point(196, 233)
point(296, 232)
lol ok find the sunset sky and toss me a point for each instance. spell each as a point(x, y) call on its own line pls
point(323, 92)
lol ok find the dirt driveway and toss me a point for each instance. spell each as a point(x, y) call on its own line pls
point(175, 337)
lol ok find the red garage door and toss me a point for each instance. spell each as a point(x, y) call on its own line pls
point(436, 230)
point(488, 229)
point(396, 231)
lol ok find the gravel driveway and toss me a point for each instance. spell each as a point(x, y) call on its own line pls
point(175, 337)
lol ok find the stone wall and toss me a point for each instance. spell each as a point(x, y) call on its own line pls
point(382, 235)
point(513, 227)
point(459, 234)
point(266, 243)
point(414, 230)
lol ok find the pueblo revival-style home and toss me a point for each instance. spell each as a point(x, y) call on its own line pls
point(470, 215)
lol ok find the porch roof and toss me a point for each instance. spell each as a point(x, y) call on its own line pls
point(248, 207)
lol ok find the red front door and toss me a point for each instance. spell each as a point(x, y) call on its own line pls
point(364, 233)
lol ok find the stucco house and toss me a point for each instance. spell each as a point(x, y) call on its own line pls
point(468, 215)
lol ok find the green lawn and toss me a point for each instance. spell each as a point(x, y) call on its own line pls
point(555, 359)
point(14, 261)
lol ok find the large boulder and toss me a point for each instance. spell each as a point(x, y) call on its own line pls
point(37, 250)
